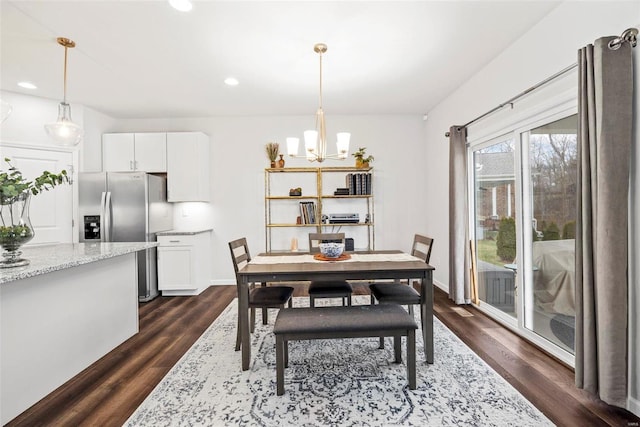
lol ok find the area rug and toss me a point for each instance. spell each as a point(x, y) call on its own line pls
point(346, 382)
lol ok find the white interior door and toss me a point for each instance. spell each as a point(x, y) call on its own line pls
point(51, 212)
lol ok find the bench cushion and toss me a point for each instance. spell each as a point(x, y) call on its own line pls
point(363, 319)
point(394, 293)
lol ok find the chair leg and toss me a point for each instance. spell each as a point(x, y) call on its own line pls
point(264, 316)
point(238, 338)
point(381, 344)
point(290, 303)
point(312, 301)
point(349, 300)
point(411, 309)
point(253, 320)
point(397, 348)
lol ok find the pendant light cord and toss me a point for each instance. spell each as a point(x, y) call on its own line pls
point(64, 95)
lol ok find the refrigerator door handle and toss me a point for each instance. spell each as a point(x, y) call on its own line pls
point(108, 217)
point(103, 219)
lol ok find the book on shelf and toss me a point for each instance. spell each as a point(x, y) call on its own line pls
point(308, 212)
point(359, 184)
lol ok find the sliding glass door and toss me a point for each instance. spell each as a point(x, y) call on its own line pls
point(523, 210)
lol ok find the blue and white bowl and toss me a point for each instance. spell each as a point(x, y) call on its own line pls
point(331, 250)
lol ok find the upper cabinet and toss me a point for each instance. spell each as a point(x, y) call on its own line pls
point(188, 167)
point(146, 152)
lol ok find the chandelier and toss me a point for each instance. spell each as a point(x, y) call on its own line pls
point(63, 131)
point(315, 141)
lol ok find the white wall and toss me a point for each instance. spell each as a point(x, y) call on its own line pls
point(546, 49)
point(238, 160)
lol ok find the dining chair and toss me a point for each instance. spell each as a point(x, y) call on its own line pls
point(328, 288)
point(403, 293)
point(264, 296)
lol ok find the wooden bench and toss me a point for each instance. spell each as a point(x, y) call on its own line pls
point(344, 322)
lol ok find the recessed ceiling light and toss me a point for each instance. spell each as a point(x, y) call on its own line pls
point(181, 5)
point(231, 81)
point(27, 85)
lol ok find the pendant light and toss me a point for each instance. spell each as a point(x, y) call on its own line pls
point(64, 131)
point(315, 141)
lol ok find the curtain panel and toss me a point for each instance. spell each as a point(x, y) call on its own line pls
point(605, 111)
point(459, 259)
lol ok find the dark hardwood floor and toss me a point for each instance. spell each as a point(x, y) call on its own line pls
point(107, 393)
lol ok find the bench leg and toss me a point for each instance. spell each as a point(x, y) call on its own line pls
point(280, 345)
point(411, 358)
point(286, 354)
point(397, 347)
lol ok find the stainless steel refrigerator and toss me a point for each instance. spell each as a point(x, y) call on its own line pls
point(126, 207)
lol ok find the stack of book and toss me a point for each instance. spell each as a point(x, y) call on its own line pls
point(341, 192)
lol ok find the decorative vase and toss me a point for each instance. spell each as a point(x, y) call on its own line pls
point(15, 228)
point(273, 163)
point(281, 162)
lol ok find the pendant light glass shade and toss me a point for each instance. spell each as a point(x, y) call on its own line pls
point(64, 131)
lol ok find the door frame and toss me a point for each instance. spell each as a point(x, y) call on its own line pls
point(516, 128)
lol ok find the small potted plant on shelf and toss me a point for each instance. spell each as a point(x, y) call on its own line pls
point(15, 193)
point(362, 160)
point(272, 152)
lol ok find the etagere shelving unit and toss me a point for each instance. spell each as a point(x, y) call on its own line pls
point(282, 215)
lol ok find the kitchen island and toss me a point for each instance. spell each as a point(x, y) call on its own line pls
point(69, 307)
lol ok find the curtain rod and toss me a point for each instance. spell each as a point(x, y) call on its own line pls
point(628, 35)
point(521, 94)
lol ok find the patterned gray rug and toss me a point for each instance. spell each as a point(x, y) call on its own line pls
point(330, 383)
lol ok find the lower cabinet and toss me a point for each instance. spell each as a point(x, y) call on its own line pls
point(184, 263)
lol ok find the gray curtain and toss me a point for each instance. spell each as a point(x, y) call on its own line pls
point(459, 261)
point(604, 151)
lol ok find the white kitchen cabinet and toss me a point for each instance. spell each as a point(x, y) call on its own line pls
point(188, 167)
point(184, 262)
point(145, 152)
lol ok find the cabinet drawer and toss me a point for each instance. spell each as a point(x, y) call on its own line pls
point(179, 240)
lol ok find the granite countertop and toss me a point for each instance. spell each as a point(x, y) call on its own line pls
point(182, 232)
point(50, 258)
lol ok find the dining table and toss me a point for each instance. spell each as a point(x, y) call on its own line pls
point(297, 268)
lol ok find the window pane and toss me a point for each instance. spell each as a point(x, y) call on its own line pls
point(553, 175)
point(495, 233)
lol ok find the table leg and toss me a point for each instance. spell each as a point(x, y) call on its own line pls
point(243, 310)
point(427, 315)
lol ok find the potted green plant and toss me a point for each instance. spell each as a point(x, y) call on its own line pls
point(15, 195)
point(272, 152)
point(362, 160)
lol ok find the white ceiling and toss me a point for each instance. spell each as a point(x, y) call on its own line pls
point(143, 59)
